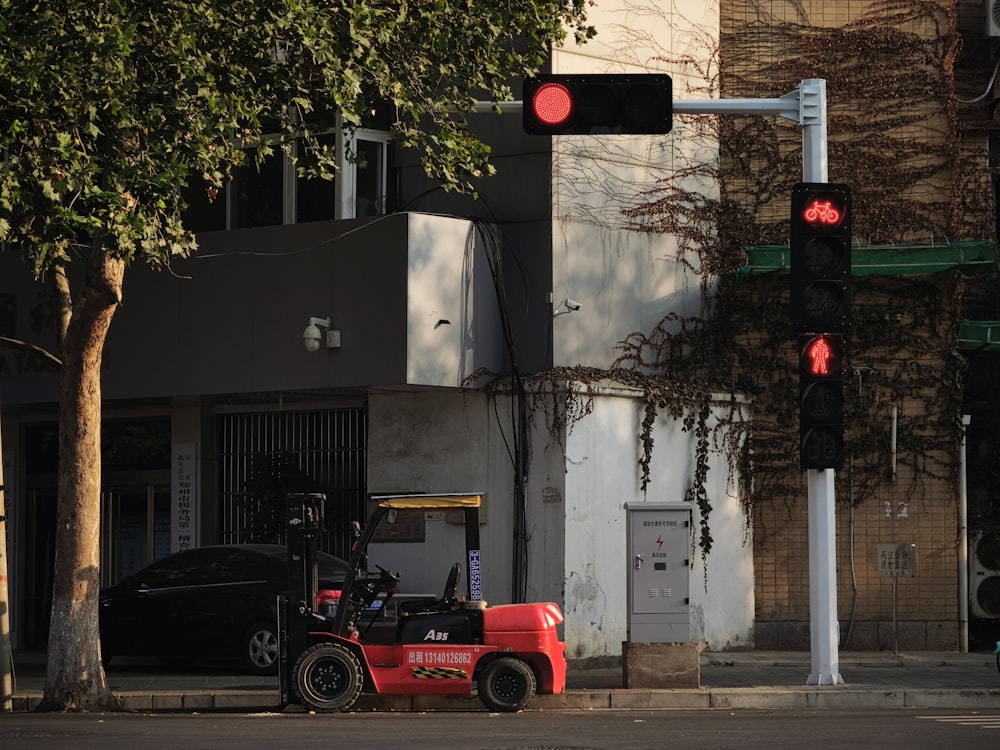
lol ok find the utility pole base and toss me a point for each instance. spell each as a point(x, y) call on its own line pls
point(825, 679)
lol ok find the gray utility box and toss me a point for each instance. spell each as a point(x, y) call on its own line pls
point(658, 572)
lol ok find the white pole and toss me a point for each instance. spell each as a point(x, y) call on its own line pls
point(812, 109)
point(824, 631)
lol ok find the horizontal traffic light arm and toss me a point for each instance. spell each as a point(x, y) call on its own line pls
point(806, 105)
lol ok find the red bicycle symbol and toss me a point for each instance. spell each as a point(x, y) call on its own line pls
point(821, 212)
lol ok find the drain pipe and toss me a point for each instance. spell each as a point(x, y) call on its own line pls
point(892, 442)
point(963, 541)
point(854, 570)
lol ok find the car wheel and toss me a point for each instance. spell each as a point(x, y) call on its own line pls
point(260, 648)
point(328, 678)
point(506, 684)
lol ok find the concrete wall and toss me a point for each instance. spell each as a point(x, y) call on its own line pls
point(411, 294)
point(451, 442)
point(602, 474)
point(628, 280)
point(441, 441)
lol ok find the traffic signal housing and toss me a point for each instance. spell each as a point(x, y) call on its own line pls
point(598, 103)
point(820, 258)
point(821, 401)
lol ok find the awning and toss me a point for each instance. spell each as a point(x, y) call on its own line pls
point(979, 334)
point(884, 260)
point(428, 502)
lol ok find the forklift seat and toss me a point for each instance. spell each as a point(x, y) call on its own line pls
point(447, 602)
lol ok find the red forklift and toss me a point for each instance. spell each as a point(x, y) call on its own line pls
point(448, 645)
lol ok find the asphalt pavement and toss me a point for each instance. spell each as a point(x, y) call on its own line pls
point(730, 680)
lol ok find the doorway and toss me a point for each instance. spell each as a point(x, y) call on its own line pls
point(135, 529)
point(134, 504)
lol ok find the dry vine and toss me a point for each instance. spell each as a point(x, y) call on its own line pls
point(896, 135)
point(897, 138)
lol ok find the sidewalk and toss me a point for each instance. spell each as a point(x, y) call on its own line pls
point(731, 679)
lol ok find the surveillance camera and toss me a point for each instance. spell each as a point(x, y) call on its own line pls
point(572, 304)
point(311, 338)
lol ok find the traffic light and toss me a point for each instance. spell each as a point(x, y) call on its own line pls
point(598, 104)
point(821, 401)
point(821, 257)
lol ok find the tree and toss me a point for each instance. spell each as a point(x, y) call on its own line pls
point(108, 110)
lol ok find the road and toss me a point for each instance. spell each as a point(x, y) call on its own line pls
point(532, 730)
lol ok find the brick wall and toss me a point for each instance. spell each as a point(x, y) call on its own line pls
point(900, 350)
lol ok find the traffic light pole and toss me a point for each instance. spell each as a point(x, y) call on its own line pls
point(806, 106)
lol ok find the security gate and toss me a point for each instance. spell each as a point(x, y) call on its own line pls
point(264, 457)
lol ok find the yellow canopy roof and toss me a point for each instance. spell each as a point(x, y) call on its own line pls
point(427, 502)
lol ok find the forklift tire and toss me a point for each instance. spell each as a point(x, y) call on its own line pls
point(328, 678)
point(506, 684)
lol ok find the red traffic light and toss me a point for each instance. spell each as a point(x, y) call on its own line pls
point(552, 104)
point(820, 243)
point(821, 356)
point(821, 401)
point(824, 210)
point(598, 103)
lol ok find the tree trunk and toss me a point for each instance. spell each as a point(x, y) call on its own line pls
point(75, 679)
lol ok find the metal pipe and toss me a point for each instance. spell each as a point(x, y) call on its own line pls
point(963, 540)
point(892, 443)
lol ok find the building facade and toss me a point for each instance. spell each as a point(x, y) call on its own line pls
point(450, 361)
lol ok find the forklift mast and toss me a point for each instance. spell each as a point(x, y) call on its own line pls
point(304, 523)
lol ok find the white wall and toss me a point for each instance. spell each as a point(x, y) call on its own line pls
point(578, 484)
point(452, 324)
point(441, 441)
point(602, 475)
point(627, 280)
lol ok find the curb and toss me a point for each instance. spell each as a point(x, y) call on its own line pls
point(830, 697)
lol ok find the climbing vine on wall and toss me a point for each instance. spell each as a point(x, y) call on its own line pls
point(917, 165)
point(686, 399)
point(896, 135)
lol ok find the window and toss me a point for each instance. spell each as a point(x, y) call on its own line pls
point(316, 199)
point(184, 569)
point(272, 193)
point(257, 193)
point(370, 173)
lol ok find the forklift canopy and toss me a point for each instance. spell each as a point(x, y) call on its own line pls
point(468, 503)
point(428, 502)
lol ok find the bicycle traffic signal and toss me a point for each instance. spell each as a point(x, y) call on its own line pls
point(598, 103)
point(821, 401)
point(820, 257)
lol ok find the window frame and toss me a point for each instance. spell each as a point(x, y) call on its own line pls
point(345, 183)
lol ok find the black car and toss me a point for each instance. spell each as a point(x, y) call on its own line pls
point(212, 601)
